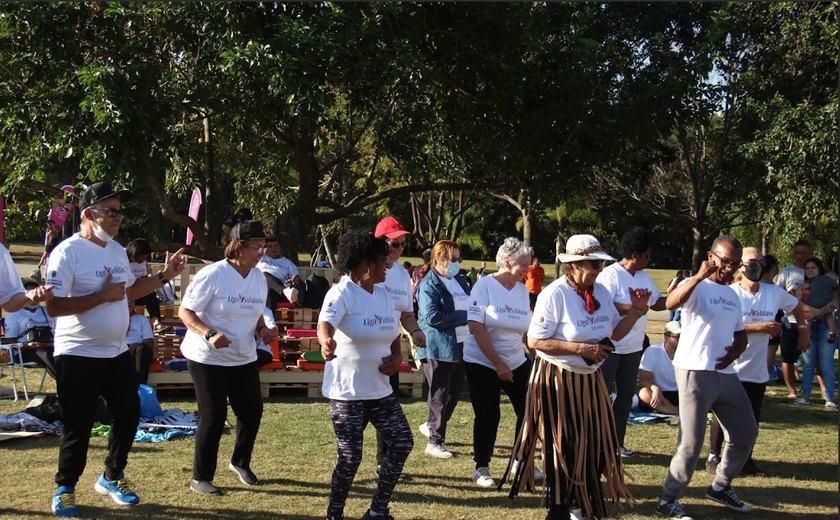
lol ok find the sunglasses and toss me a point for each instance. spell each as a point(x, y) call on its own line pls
point(111, 212)
point(734, 264)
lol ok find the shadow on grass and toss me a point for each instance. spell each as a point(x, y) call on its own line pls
point(154, 511)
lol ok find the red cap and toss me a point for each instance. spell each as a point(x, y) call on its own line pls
point(390, 227)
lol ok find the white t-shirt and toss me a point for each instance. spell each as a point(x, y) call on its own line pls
point(789, 279)
point(560, 314)
point(17, 323)
point(656, 361)
point(618, 280)
point(78, 267)
point(281, 268)
point(10, 283)
point(462, 303)
point(230, 304)
point(398, 284)
point(139, 329)
point(365, 327)
point(505, 315)
point(757, 308)
point(139, 269)
point(710, 318)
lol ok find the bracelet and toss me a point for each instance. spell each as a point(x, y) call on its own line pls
point(803, 326)
point(163, 280)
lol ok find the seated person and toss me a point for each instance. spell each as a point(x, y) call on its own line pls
point(18, 325)
point(264, 353)
point(141, 342)
point(658, 392)
point(281, 274)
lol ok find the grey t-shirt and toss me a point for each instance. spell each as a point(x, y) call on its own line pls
point(822, 290)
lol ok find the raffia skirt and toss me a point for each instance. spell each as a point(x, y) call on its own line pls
point(572, 413)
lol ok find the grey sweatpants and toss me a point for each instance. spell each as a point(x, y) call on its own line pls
point(701, 391)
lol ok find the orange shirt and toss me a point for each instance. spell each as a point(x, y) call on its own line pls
point(533, 279)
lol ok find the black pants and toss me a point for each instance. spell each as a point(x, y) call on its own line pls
point(485, 394)
point(214, 386)
point(620, 372)
point(142, 357)
point(152, 304)
point(381, 445)
point(755, 393)
point(80, 382)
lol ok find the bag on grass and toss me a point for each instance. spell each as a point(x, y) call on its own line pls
point(149, 404)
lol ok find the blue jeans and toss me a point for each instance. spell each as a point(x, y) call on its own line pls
point(822, 353)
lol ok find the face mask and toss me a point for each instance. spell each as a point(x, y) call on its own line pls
point(753, 272)
point(452, 268)
point(100, 233)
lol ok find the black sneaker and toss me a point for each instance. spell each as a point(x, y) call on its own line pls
point(368, 516)
point(672, 509)
point(246, 476)
point(727, 497)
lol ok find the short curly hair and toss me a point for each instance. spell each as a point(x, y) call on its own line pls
point(637, 240)
point(359, 246)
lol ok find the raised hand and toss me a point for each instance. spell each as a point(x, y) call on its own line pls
point(706, 270)
point(175, 264)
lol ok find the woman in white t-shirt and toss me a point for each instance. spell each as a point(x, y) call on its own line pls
point(572, 327)
point(359, 337)
point(442, 299)
point(494, 354)
point(138, 251)
point(141, 342)
point(223, 311)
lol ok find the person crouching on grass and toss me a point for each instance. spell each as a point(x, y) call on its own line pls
point(359, 337)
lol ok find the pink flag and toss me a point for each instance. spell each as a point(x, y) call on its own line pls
point(195, 205)
point(60, 211)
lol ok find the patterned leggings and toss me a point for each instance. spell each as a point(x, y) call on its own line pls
point(349, 420)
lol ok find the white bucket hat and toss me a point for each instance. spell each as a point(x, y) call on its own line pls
point(583, 247)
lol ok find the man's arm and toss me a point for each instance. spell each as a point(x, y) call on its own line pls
point(681, 293)
point(65, 306)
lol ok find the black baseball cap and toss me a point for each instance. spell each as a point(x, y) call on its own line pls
point(99, 191)
point(247, 230)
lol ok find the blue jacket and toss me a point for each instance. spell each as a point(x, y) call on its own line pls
point(438, 318)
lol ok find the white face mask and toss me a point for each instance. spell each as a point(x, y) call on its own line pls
point(100, 233)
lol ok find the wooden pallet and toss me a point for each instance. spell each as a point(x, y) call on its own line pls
point(291, 378)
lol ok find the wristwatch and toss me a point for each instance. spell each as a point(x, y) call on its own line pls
point(162, 278)
point(210, 334)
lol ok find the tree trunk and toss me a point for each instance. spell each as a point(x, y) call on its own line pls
point(698, 252)
point(211, 224)
point(527, 224)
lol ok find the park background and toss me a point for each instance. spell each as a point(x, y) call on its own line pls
point(466, 121)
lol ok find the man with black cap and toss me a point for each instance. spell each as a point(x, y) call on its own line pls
point(91, 279)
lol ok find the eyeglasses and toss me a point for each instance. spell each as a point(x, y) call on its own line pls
point(261, 249)
point(397, 245)
point(736, 264)
point(456, 260)
point(111, 212)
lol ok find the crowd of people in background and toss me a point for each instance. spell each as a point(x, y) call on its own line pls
point(573, 357)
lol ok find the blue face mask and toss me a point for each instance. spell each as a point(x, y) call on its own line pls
point(452, 268)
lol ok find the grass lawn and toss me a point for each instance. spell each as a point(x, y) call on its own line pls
point(296, 447)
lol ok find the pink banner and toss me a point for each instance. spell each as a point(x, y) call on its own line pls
point(195, 205)
point(60, 211)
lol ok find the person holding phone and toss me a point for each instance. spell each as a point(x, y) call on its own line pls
point(571, 330)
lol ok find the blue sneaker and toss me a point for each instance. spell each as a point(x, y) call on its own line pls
point(64, 501)
point(119, 490)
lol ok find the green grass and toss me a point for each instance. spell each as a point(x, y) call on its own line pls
point(296, 446)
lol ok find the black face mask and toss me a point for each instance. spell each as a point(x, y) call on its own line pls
point(753, 271)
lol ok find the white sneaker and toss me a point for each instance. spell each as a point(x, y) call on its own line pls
point(801, 400)
point(577, 514)
point(424, 429)
point(831, 405)
point(625, 453)
point(438, 450)
point(482, 477)
point(538, 475)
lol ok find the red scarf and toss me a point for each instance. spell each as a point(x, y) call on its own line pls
point(589, 300)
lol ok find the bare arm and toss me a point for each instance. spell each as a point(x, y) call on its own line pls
point(556, 347)
point(680, 294)
point(409, 322)
point(325, 339)
point(65, 306)
point(194, 323)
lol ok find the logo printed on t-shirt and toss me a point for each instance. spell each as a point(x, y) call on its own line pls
point(759, 313)
point(507, 309)
point(592, 320)
point(724, 302)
